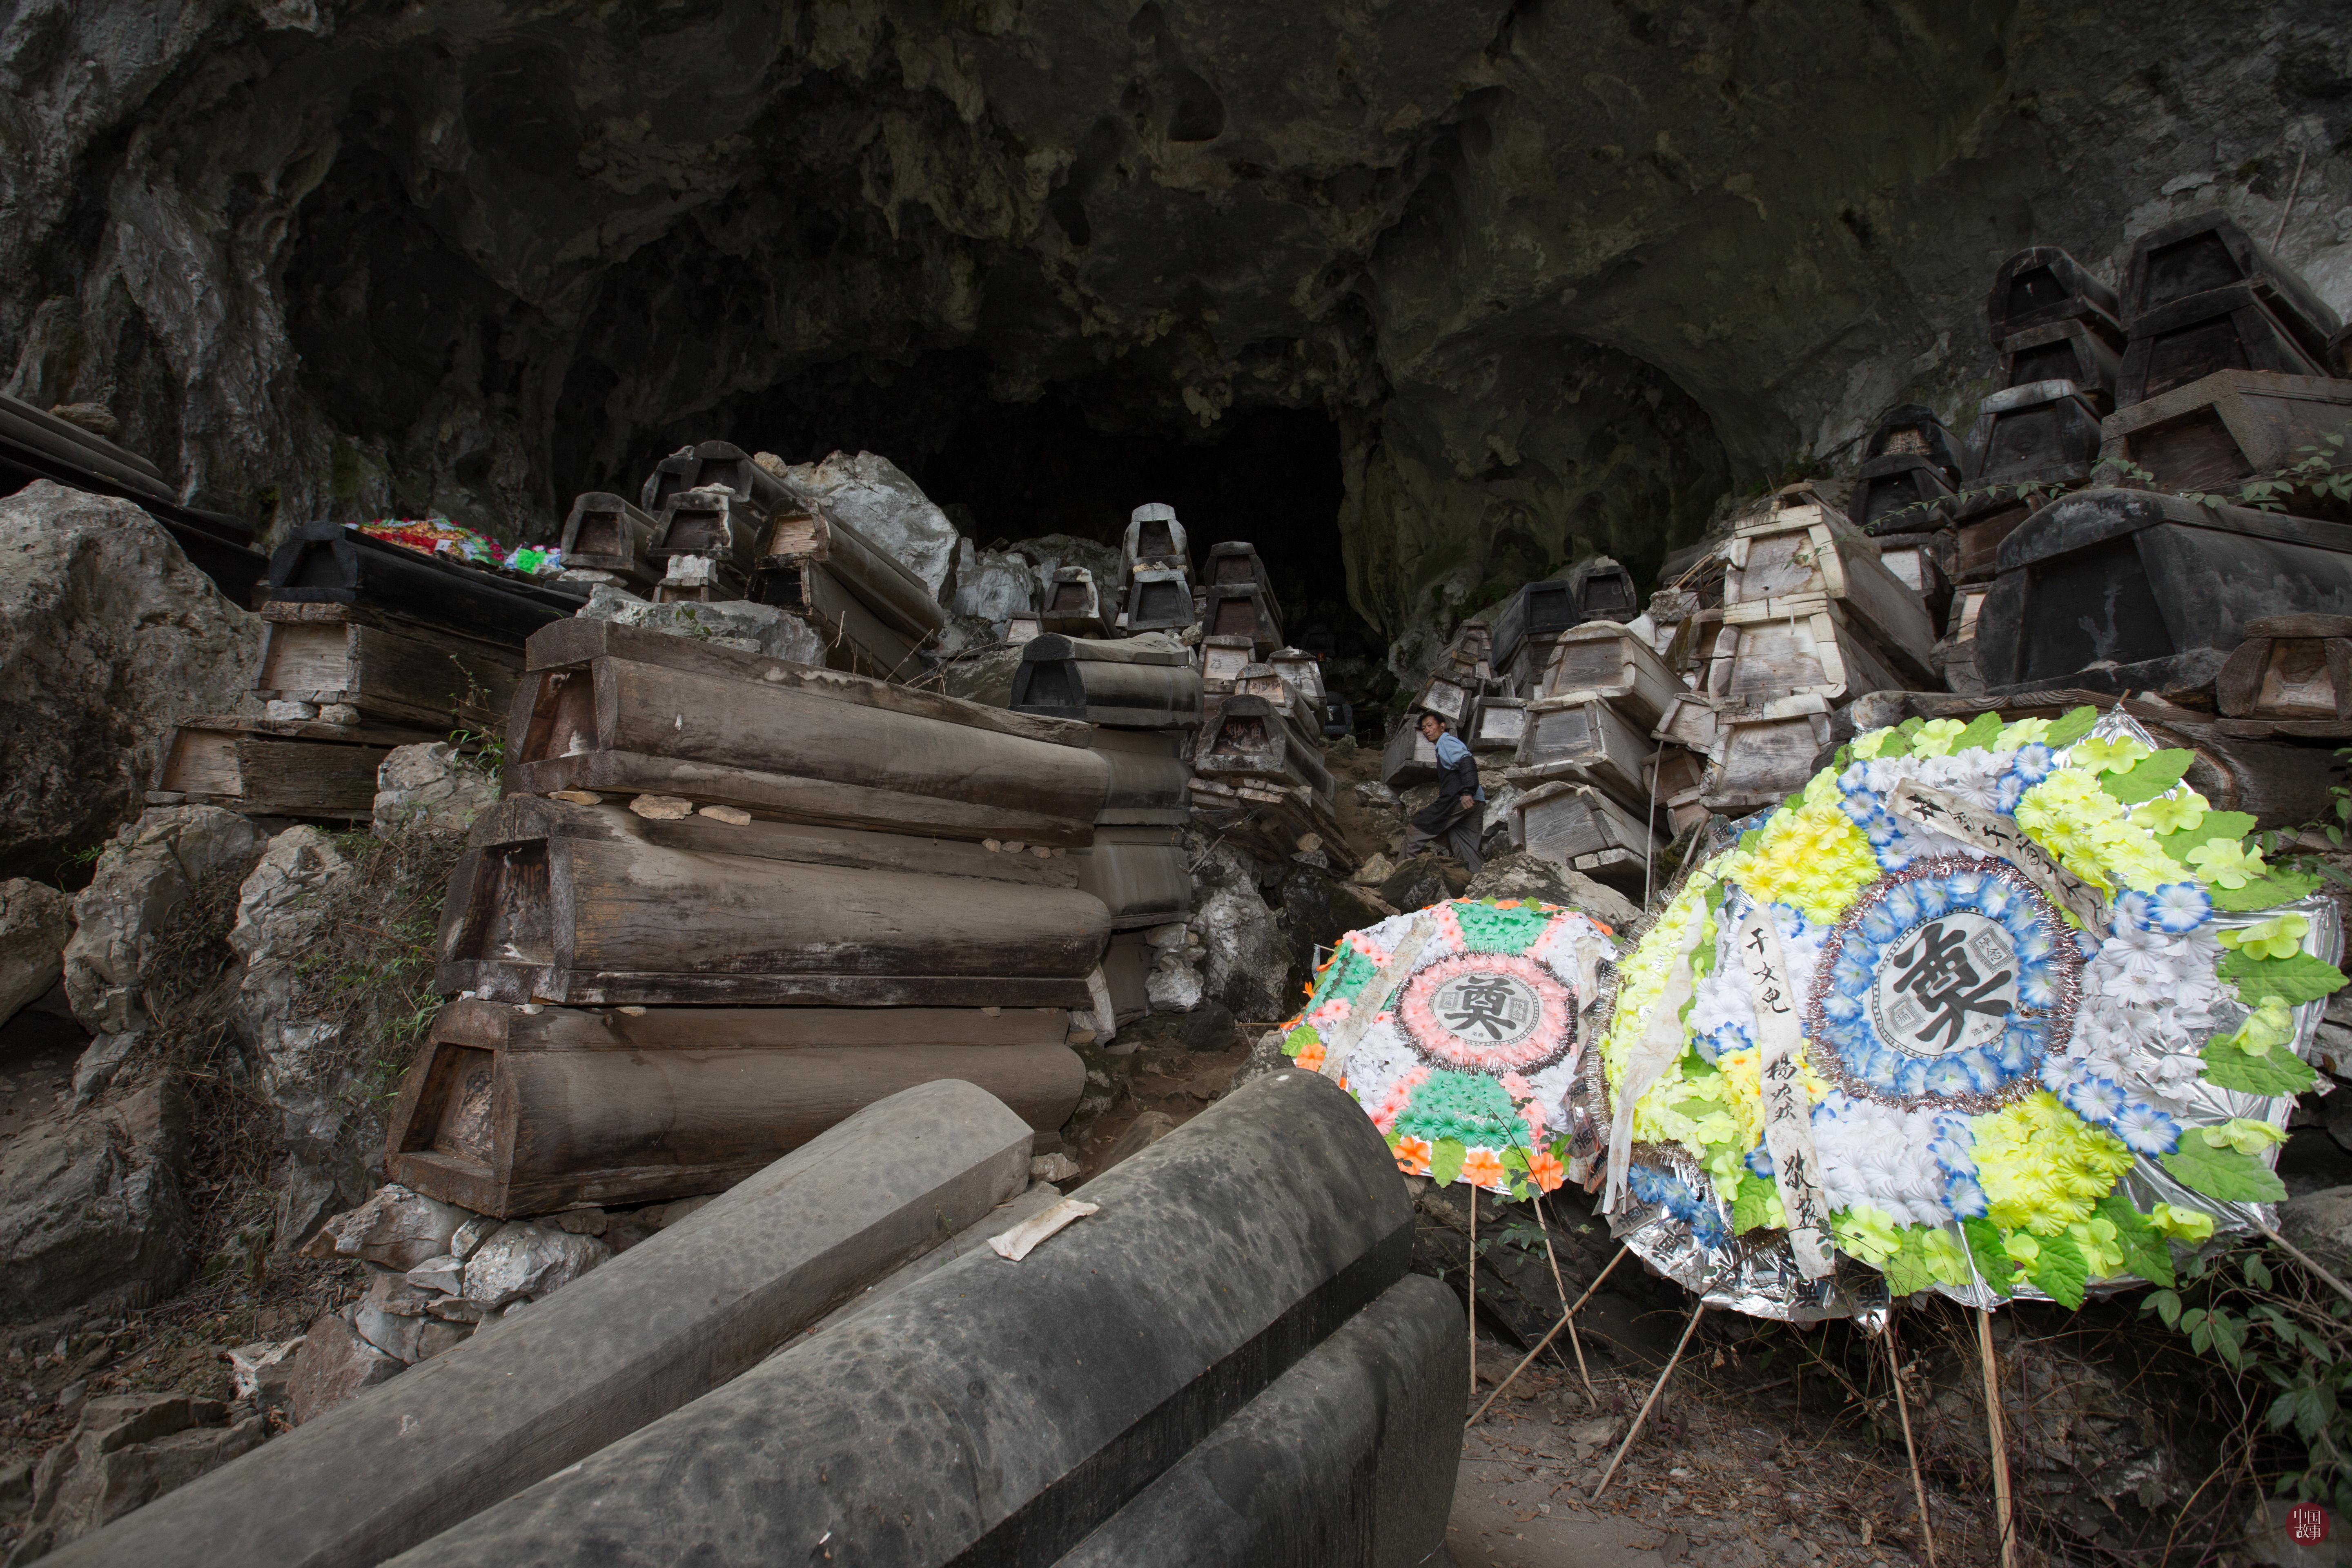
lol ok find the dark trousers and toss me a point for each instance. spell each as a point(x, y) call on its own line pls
point(1444, 819)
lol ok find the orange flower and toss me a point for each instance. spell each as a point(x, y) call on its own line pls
point(1548, 1172)
point(1483, 1168)
point(1413, 1155)
point(1310, 1057)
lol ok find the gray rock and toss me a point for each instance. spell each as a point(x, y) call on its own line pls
point(731, 623)
point(470, 1235)
point(100, 1060)
point(869, 493)
point(93, 1215)
point(333, 1364)
point(108, 637)
point(143, 875)
point(1519, 875)
point(1141, 1133)
point(529, 1260)
point(2270, 1539)
point(263, 1371)
point(431, 788)
point(35, 922)
point(442, 1275)
point(2321, 1224)
point(1248, 965)
point(126, 1451)
point(985, 676)
point(1048, 553)
point(1173, 987)
point(993, 585)
point(395, 1229)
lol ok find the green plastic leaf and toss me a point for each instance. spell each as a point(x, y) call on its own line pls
point(2150, 777)
point(2228, 1065)
point(1298, 1039)
point(2070, 727)
point(1991, 1258)
point(1907, 1272)
point(1445, 1160)
point(2060, 1272)
point(2230, 825)
point(2293, 981)
point(1982, 731)
point(1752, 1209)
point(2145, 1252)
point(2279, 887)
point(2223, 1172)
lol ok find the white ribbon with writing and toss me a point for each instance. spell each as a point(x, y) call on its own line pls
point(1788, 1110)
point(1990, 831)
point(1341, 1037)
point(1654, 1052)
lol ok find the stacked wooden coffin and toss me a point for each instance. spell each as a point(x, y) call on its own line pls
point(1143, 698)
point(1235, 598)
point(729, 899)
point(365, 647)
point(1155, 573)
point(1258, 775)
point(1586, 766)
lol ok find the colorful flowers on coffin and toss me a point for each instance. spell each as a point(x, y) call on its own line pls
point(1466, 1066)
point(2052, 1012)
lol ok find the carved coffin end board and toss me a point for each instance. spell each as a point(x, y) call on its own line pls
point(605, 533)
point(2232, 328)
point(1604, 660)
point(274, 768)
point(439, 682)
point(1763, 760)
point(2226, 427)
point(2290, 667)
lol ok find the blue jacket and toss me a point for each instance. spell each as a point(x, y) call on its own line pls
point(1457, 772)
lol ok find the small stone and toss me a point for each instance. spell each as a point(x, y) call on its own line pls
point(1055, 1167)
point(1308, 843)
point(263, 1371)
point(438, 1336)
point(456, 1309)
point(662, 808)
point(396, 1227)
point(991, 845)
point(445, 1276)
point(1041, 851)
point(333, 1364)
point(1167, 936)
point(341, 713)
point(582, 1222)
point(291, 713)
point(733, 817)
point(391, 1290)
point(71, 1397)
point(577, 797)
point(1014, 847)
point(471, 1235)
point(521, 1260)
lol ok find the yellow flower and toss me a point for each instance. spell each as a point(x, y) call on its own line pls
point(2182, 1224)
point(2272, 1024)
point(2084, 827)
point(2119, 755)
point(1867, 1234)
point(2019, 733)
point(1642, 980)
point(2097, 1238)
point(1811, 858)
point(1934, 738)
point(2246, 1137)
point(1948, 1260)
point(2228, 864)
point(2279, 937)
point(2177, 813)
point(1870, 742)
point(2043, 1168)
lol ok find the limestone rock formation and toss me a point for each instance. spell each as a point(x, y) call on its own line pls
point(870, 493)
point(1248, 965)
point(1519, 875)
point(431, 788)
point(145, 873)
point(92, 1213)
point(127, 1450)
point(35, 922)
point(108, 637)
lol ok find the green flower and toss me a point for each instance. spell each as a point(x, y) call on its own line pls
point(2182, 1224)
point(2226, 863)
point(2117, 757)
point(2280, 937)
point(2272, 1024)
point(2171, 813)
point(1870, 742)
point(1936, 737)
point(2021, 732)
point(2246, 1137)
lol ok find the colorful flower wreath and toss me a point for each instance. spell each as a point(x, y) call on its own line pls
point(1467, 1065)
point(2047, 1007)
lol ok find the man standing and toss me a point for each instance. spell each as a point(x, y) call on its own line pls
point(1458, 814)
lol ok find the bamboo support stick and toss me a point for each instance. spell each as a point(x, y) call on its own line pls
point(1910, 1449)
point(1474, 1292)
point(2291, 1250)
point(2000, 1440)
point(1656, 1388)
point(1526, 1359)
point(1574, 1342)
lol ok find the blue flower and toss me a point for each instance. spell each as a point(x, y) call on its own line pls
point(2007, 791)
point(1948, 1077)
point(2144, 1130)
point(1841, 1006)
point(2131, 908)
point(1759, 1161)
point(1859, 808)
point(2032, 763)
point(1708, 1229)
point(1882, 830)
point(2179, 907)
point(1965, 1197)
point(2094, 1099)
point(1647, 1185)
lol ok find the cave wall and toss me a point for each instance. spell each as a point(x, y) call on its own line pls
point(1561, 272)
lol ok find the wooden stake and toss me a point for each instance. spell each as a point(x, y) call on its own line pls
point(1910, 1450)
point(2288, 210)
point(2291, 1250)
point(1656, 1389)
point(1556, 1327)
point(1474, 1292)
point(2000, 1440)
point(1559, 1285)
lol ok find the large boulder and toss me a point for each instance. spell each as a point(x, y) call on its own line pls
point(993, 585)
point(1520, 874)
point(431, 788)
point(127, 1450)
point(92, 1212)
point(731, 623)
point(35, 921)
point(870, 493)
point(143, 876)
point(1319, 909)
point(108, 637)
point(1247, 966)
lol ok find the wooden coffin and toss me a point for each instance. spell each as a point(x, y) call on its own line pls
point(2043, 287)
point(1408, 759)
point(605, 533)
point(1692, 720)
point(1899, 494)
point(855, 639)
point(1914, 430)
point(1072, 606)
point(667, 476)
point(1686, 811)
point(1245, 612)
point(1802, 646)
point(1159, 599)
point(2063, 351)
point(1497, 725)
point(392, 671)
point(803, 529)
point(2204, 252)
point(1601, 660)
point(1263, 679)
point(2109, 589)
point(1140, 874)
point(1982, 523)
point(1304, 671)
point(1271, 821)
point(1690, 644)
point(1020, 628)
point(1957, 650)
point(1127, 682)
point(1473, 646)
point(266, 767)
point(1449, 694)
point(1536, 610)
point(1250, 738)
point(1604, 590)
point(615, 919)
point(2226, 329)
point(1154, 538)
point(1149, 774)
point(711, 521)
point(327, 563)
point(511, 1111)
point(2226, 428)
point(700, 580)
point(1821, 557)
point(1918, 562)
point(2044, 432)
point(1580, 828)
point(2290, 667)
point(622, 710)
point(1223, 660)
point(1127, 976)
point(1762, 762)
point(1674, 772)
point(1234, 563)
point(1585, 742)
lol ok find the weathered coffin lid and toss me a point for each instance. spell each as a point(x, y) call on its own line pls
point(348, 548)
point(2206, 390)
point(2085, 296)
point(1902, 463)
point(2026, 394)
point(2085, 517)
point(1921, 417)
point(2254, 263)
point(1105, 650)
point(2190, 309)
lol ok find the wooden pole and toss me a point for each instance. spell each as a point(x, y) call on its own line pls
point(1574, 1342)
point(2292, 190)
point(1474, 1290)
point(1656, 1389)
point(2000, 1440)
point(2291, 1250)
point(1910, 1449)
point(1528, 1358)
